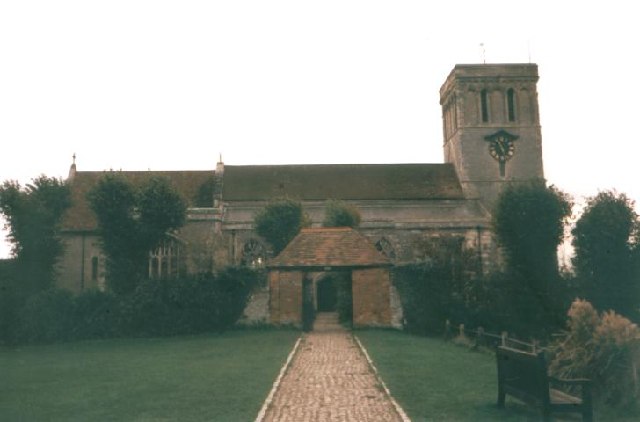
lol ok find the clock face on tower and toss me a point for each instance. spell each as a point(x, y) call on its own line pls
point(501, 145)
point(501, 148)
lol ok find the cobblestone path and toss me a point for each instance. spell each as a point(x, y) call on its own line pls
point(330, 380)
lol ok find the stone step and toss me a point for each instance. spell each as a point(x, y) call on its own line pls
point(327, 321)
point(327, 316)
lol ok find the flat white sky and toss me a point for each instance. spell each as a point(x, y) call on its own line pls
point(168, 85)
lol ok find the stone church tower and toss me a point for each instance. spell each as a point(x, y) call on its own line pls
point(491, 127)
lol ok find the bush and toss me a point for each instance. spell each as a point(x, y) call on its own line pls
point(605, 349)
point(508, 302)
point(11, 301)
point(191, 305)
point(47, 317)
point(280, 221)
point(341, 214)
point(96, 315)
point(427, 297)
point(194, 304)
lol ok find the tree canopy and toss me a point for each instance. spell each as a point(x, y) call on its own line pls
point(605, 239)
point(529, 222)
point(280, 221)
point(131, 222)
point(33, 213)
point(340, 214)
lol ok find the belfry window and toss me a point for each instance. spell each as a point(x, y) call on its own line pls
point(484, 105)
point(511, 105)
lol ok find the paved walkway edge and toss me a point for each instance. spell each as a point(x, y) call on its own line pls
point(395, 404)
point(276, 383)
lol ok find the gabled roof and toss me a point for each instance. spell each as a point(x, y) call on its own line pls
point(329, 247)
point(341, 181)
point(303, 182)
point(81, 217)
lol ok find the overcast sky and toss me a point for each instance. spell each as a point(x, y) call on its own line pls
point(170, 85)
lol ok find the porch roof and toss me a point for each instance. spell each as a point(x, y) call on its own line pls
point(329, 247)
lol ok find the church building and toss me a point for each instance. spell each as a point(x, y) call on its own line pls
point(491, 138)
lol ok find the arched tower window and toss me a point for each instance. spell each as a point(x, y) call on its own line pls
point(484, 105)
point(511, 105)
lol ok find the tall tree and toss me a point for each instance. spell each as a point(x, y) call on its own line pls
point(33, 214)
point(604, 239)
point(340, 214)
point(280, 221)
point(529, 222)
point(131, 222)
point(161, 210)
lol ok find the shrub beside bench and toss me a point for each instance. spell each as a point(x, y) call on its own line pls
point(524, 376)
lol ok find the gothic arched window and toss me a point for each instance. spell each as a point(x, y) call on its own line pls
point(254, 254)
point(167, 260)
point(383, 245)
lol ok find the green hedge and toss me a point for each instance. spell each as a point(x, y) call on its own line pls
point(428, 297)
point(47, 317)
point(433, 293)
point(190, 305)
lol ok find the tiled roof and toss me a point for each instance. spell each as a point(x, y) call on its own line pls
point(303, 182)
point(329, 247)
point(81, 217)
point(341, 181)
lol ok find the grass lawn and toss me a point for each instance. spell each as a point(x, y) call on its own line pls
point(218, 377)
point(438, 381)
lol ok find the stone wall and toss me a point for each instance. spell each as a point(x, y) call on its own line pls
point(257, 309)
point(82, 266)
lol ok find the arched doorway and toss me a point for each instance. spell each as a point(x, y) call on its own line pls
point(326, 294)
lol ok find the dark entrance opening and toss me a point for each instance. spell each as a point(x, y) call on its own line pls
point(327, 296)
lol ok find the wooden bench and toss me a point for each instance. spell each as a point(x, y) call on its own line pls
point(524, 376)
